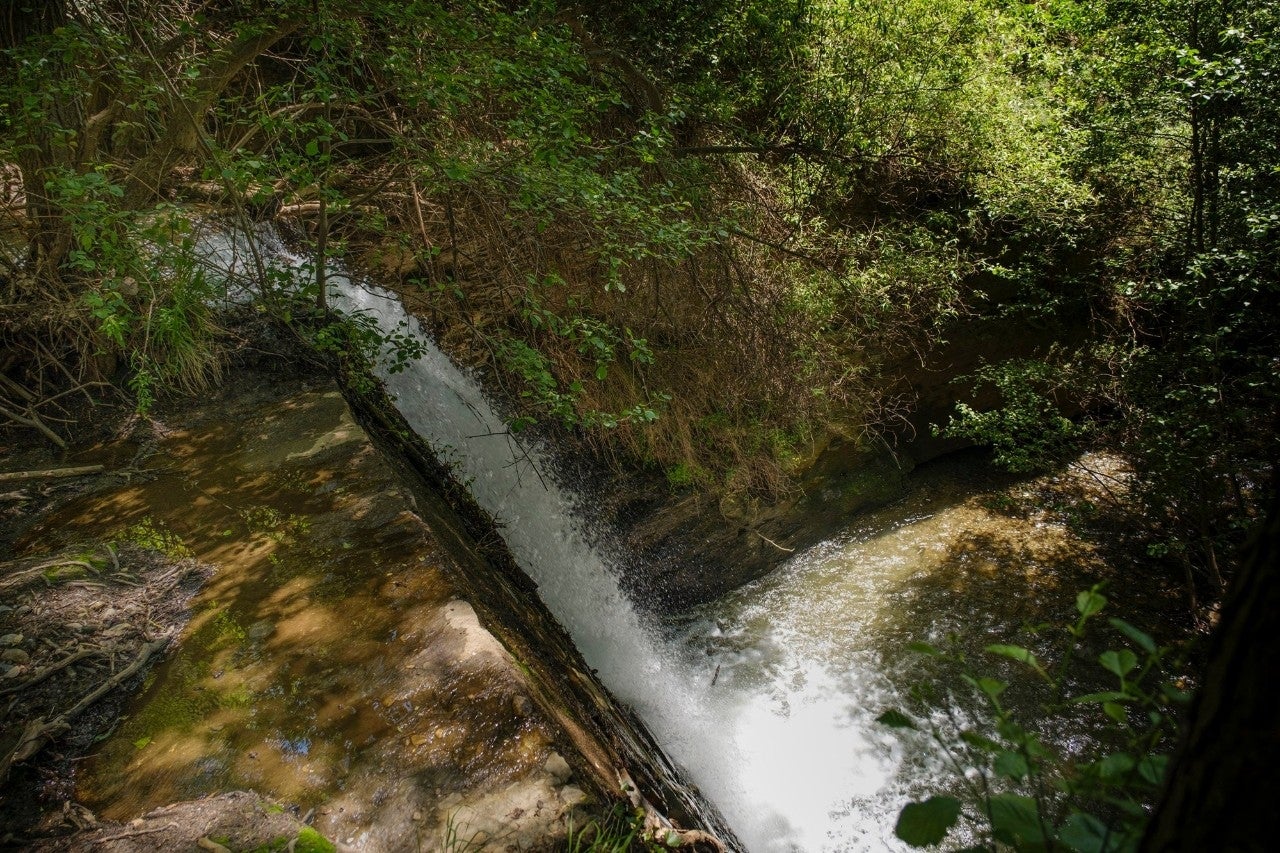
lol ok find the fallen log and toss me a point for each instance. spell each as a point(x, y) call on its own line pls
point(49, 473)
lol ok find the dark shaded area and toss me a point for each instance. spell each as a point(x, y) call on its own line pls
point(1221, 789)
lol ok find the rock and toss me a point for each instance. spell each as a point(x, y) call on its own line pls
point(17, 656)
point(572, 795)
point(522, 705)
point(260, 630)
point(558, 768)
point(11, 640)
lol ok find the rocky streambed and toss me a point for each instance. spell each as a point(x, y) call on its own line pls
point(320, 645)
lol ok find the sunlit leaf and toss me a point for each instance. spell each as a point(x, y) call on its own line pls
point(1105, 696)
point(1121, 663)
point(1019, 654)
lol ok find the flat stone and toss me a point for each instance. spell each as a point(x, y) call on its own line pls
point(558, 768)
point(260, 630)
point(572, 795)
point(11, 640)
point(17, 656)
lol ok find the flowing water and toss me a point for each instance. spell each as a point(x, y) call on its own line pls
point(768, 697)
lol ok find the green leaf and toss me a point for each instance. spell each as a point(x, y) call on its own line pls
point(980, 741)
point(1090, 602)
point(1015, 818)
point(925, 824)
point(895, 719)
point(141, 743)
point(924, 649)
point(1115, 712)
point(1105, 696)
point(990, 686)
point(1121, 662)
point(1143, 640)
point(1115, 765)
point(1019, 654)
point(1084, 833)
point(1152, 768)
point(1012, 765)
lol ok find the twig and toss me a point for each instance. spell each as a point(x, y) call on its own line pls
point(774, 544)
point(134, 833)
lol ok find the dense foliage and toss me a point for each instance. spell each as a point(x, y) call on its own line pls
point(701, 236)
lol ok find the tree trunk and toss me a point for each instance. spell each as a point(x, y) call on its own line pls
point(1222, 785)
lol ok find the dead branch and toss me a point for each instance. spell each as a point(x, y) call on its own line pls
point(49, 473)
point(38, 732)
point(31, 419)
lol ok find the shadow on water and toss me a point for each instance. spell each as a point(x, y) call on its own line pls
point(323, 655)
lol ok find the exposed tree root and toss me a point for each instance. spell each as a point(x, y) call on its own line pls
point(39, 731)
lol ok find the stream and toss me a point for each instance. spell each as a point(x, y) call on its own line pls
point(767, 697)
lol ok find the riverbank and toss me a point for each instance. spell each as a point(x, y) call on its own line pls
point(331, 663)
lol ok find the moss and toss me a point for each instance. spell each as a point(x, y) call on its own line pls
point(239, 697)
point(683, 474)
point(62, 574)
point(152, 534)
point(226, 631)
point(310, 841)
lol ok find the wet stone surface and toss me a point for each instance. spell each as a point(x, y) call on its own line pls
point(328, 663)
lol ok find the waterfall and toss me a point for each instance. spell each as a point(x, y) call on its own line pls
point(780, 756)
